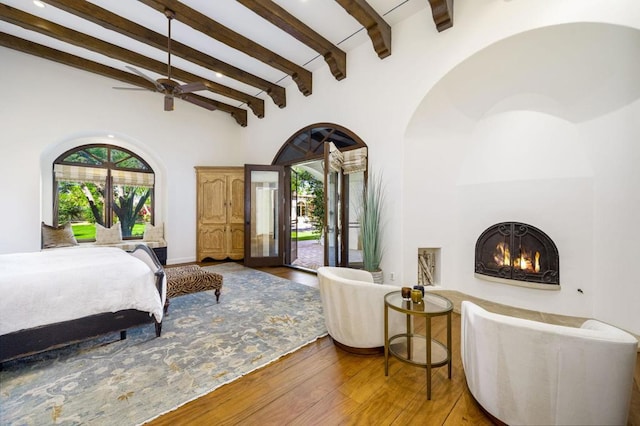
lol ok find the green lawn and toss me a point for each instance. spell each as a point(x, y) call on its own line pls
point(87, 231)
point(305, 235)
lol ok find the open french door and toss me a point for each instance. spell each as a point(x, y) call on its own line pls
point(265, 211)
point(344, 174)
point(292, 253)
point(333, 214)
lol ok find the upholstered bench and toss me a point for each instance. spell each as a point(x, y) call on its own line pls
point(190, 279)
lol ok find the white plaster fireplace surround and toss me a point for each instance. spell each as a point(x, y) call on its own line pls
point(542, 136)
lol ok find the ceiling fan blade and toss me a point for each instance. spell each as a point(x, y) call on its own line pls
point(143, 75)
point(168, 103)
point(192, 87)
point(200, 101)
point(128, 88)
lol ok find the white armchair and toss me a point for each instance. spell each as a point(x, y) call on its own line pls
point(354, 309)
point(531, 373)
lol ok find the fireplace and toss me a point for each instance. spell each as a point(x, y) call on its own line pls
point(519, 254)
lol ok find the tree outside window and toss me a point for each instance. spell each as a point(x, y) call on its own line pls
point(306, 184)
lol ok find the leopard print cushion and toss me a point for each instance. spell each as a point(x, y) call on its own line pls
point(190, 279)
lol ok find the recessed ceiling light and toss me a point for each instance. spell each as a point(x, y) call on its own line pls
point(110, 136)
point(38, 3)
point(219, 75)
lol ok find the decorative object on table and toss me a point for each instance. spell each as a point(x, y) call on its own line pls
point(406, 293)
point(370, 215)
point(416, 296)
point(204, 345)
point(419, 287)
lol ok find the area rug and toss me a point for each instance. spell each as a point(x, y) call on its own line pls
point(203, 345)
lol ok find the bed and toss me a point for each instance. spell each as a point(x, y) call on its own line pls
point(56, 297)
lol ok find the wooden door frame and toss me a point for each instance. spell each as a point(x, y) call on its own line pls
point(277, 260)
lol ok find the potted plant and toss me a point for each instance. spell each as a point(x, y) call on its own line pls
point(370, 226)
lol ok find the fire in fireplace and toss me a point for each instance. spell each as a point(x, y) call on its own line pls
point(517, 252)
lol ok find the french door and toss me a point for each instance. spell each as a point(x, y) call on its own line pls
point(333, 214)
point(270, 223)
point(265, 211)
point(292, 254)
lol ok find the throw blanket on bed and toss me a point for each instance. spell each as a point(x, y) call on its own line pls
point(64, 284)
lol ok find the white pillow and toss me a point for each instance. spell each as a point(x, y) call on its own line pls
point(111, 235)
point(153, 233)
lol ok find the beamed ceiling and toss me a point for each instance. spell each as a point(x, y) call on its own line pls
point(228, 56)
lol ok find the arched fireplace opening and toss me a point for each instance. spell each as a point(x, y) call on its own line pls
point(519, 254)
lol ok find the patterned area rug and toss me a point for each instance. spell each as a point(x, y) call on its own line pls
point(203, 345)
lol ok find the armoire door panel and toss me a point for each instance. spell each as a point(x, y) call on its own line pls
point(236, 243)
point(236, 198)
point(213, 191)
point(213, 242)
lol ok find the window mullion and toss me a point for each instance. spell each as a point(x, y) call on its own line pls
point(108, 200)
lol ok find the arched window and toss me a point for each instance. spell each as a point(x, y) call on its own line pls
point(103, 184)
point(308, 144)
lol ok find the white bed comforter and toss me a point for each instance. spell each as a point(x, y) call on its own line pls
point(50, 286)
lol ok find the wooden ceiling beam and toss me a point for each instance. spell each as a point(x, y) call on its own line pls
point(278, 16)
point(111, 21)
point(377, 28)
point(42, 26)
point(442, 11)
point(215, 30)
point(35, 49)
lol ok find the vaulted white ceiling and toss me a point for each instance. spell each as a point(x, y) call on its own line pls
point(250, 79)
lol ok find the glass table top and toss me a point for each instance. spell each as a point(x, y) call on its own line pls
point(431, 303)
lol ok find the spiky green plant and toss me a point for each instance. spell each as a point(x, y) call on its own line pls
point(370, 222)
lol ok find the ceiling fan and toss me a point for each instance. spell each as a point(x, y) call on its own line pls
point(169, 87)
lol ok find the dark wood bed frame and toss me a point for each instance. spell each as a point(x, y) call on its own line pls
point(39, 339)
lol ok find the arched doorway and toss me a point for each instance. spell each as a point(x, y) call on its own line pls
point(321, 202)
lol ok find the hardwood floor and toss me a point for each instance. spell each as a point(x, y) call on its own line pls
point(323, 385)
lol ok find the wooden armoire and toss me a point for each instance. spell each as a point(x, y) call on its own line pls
point(220, 213)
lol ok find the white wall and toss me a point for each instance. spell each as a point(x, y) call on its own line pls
point(424, 116)
point(48, 108)
point(535, 128)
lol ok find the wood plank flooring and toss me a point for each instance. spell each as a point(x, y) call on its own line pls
point(323, 385)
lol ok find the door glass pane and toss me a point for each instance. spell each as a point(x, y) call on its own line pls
point(356, 186)
point(265, 234)
point(297, 212)
point(333, 217)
